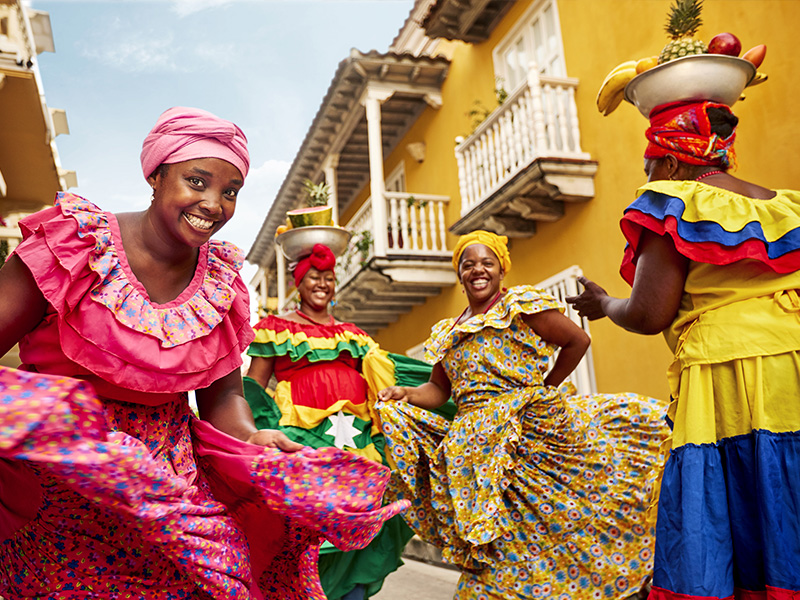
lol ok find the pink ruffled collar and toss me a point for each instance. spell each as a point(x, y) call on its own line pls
point(193, 314)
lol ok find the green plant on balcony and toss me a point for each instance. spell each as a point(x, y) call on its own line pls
point(317, 194)
point(499, 91)
point(363, 245)
point(360, 245)
point(479, 112)
point(411, 201)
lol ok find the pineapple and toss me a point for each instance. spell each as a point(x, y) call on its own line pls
point(683, 22)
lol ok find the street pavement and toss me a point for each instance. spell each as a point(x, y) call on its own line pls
point(419, 581)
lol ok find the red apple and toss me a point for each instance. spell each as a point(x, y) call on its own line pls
point(725, 43)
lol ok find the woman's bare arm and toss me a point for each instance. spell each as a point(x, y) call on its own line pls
point(557, 329)
point(261, 369)
point(656, 294)
point(223, 405)
point(22, 306)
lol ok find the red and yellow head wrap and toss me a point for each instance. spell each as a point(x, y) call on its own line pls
point(321, 258)
point(683, 129)
point(496, 243)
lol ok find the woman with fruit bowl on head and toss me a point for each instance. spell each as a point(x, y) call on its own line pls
point(328, 373)
point(713, 261)
point(110, 487)
point(532, 491)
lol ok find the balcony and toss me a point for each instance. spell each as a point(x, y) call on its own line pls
point(524, 161)
point(396, 260)
point(10, 237)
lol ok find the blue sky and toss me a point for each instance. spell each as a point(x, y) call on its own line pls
point(264, 64)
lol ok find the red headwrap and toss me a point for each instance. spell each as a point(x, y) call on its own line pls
point(321, 258)
point(683, 130)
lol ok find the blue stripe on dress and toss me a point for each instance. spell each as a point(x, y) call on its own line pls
point(730, 508)
point(660, 206)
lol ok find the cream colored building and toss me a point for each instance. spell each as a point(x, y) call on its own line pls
point(482, 115)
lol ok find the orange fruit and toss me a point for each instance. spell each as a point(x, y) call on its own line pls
point(644, 64)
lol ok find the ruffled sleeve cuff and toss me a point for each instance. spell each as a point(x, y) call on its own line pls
point(523, 299)
point(280, 337)
point(715, 226)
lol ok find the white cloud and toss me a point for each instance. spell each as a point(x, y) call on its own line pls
point(133, 52)
point(188, 7)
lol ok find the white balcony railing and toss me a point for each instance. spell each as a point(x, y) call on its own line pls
point(538, 119)
point(415, 227)
point(560, 286)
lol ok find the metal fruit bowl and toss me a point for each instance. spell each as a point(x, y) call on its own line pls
point(714, 77)
point(298, 242)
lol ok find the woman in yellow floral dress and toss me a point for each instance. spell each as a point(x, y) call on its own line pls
point(533, 491)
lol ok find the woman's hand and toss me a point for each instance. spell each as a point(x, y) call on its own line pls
point(589, 303)
point(395, 392)
point(656, 294)
point(272, 438)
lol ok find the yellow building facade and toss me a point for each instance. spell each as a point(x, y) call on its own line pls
point(30, 169)
point(544, 167)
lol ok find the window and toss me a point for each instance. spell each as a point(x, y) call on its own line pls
point(561, 285)
point(537, 37)
point(396, 181)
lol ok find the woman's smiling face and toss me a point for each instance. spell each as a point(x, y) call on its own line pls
point(195, 198)
point(317, 289)
point(480, 272)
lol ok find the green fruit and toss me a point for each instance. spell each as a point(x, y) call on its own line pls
point(314, 215)
point(682, 23)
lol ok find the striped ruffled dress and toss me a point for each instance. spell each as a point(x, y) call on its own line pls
point(728, 518)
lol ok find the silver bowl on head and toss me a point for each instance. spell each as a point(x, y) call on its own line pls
point(297, 243)
point(714, 77)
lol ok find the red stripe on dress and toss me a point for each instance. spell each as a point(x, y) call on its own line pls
point(662, 594)
point(771, 593)
point(712, 253)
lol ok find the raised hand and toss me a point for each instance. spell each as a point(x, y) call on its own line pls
point(589, 303)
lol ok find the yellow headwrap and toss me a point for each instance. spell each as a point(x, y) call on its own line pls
point(496, 243)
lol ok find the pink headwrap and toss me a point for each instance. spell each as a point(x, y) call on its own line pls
point(321, 258)
point(182, 134)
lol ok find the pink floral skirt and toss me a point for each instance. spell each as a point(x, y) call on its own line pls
point(105, 499)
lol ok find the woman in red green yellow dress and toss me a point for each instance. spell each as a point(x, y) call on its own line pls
point(328, 374)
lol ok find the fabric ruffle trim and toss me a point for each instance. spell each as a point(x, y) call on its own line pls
point(522, 299)
point(715, 226)
point(117, 333)
point(281, 337)
point(196, 312)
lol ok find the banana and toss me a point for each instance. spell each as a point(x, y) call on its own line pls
point(759, 77)
point(620, 67)
point(612, 90)
point(615, 100)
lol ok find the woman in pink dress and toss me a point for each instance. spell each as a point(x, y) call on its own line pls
point(110, 486)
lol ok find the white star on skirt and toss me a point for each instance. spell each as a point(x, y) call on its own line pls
point(342, 430)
